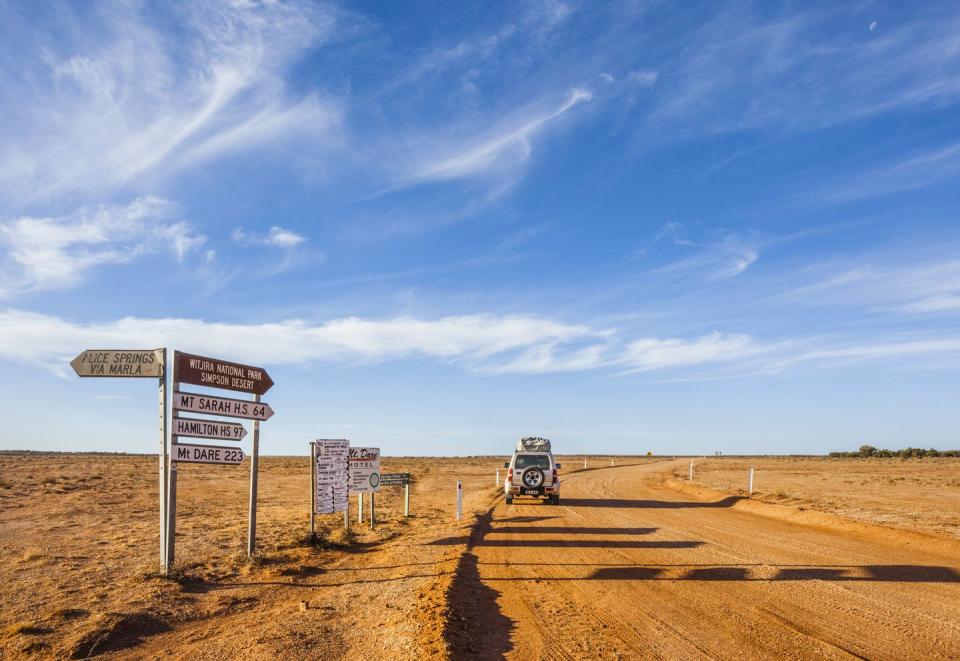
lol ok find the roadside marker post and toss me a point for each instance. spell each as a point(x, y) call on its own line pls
point(690, 477)
point(750, 487)
point(459, 500)
point(584, 462)
point(498, 476)
point(611, 462)
point(406, 499)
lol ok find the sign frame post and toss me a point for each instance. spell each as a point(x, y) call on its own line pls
point(406, 499)
point(254, 465)
point(313, 489)
point(171, 496)
point(373, 510)
point(164, 458)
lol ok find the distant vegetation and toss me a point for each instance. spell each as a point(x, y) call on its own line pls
point(906, 453)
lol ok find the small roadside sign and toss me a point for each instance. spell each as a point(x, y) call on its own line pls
point(216, 373)
point(394, 479)
point(206, 454)
point(364, 470)
point(226, 406)
point(224, 431)
point(119, 362)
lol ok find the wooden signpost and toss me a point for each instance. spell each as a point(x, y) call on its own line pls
point(217, 373)
point(201, 371)
point(136, 363)
point(398, 480)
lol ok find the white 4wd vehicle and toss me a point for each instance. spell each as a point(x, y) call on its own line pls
point(532, 472)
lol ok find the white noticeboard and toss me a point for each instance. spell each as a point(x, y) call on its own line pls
point(330, 476)
point(364, 470)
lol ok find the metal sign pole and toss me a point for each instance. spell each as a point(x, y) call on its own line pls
point(171, 498)
point(406, 499)
point(163, 463)
point(313, 487)
point(254, 465)
point(373, 511)
point(359, 508)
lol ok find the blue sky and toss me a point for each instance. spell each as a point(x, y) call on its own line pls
point(677, 227)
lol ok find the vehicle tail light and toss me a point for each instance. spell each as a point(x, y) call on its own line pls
point(510, 475)
point(554, 475)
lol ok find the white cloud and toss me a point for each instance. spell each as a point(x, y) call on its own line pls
point(488, 344)
point(653, 354)
point(50, 253)
point(276, 237)
point(493, 154)
point(714, 254)
point(112, 98)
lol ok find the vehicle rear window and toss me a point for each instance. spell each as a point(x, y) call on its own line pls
point(540, 461)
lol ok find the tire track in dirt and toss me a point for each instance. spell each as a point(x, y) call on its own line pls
point(626, 566)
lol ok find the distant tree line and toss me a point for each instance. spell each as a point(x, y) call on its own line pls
point(906, 453)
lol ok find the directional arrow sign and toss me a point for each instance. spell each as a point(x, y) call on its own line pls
point(206, 454)
point(119, 362)
point(224, 431)
point(233, 408)
point(216, 373)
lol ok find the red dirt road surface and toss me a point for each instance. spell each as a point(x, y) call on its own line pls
point(627, 568)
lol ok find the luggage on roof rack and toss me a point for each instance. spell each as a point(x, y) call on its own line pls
point(533, 444)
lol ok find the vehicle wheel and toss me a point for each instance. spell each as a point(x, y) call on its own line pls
point(509, 500)
point(555, 500)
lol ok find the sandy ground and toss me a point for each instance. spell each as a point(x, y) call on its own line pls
point(633, 563)
point(626, 567)
point(914, 494)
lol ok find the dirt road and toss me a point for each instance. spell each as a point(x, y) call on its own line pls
point(625, 568)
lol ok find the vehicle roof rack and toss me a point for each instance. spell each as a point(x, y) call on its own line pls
point(533, 444)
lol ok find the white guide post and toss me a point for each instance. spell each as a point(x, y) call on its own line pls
point(690, 477)
point(498, 476)
point(750, 486)
point(584, 462)
point(459, 500)
point(359, 508)
point(406, 499)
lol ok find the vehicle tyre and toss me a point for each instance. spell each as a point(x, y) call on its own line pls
point(554, 500)
point(509, 500)
point(532, 478)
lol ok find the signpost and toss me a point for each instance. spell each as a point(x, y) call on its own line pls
point(206, 454)
point(119, 362)
point(330, 466)
point(398, 480)
point(215, 373)
point(136, 363)
point(210, 405)
point(216, 429)
point(364, 470)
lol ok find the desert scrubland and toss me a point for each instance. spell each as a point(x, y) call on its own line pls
point(634, 563)
point(915, 494)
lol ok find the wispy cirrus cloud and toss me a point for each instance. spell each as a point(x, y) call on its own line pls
point(50, 253)
point(113, 98)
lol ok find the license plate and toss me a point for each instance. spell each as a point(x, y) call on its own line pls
point(529, 491)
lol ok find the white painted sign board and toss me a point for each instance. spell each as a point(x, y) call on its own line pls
point(224, 431)
point(364, 470)
point(206, 454)
point(226, 406)
point(330, 475)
